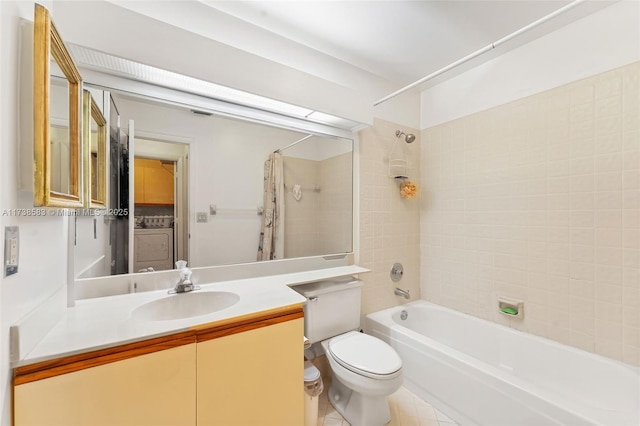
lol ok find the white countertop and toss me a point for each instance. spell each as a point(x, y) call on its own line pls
point(106, 322)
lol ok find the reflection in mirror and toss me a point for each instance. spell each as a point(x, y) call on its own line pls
point(56, 143)
point(95, 153)
point(161, 202)
point(93, 163)
point(59, 135)
point(318, 198)
point(225, 183)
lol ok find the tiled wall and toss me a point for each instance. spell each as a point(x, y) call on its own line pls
point(389, 224)
point(336, 203)
point(321, 221)
point(301, 233)
point(539, 200)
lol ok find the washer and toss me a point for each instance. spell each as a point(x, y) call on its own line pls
point(153, 248)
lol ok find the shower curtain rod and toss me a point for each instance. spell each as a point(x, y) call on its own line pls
point(480, 51)
point(293, 143)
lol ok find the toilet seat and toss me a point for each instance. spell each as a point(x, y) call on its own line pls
point(365, 355)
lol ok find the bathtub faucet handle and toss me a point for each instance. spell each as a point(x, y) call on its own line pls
point(401, 292)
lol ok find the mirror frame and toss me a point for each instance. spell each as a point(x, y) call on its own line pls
point(90, 110)
point(47, 43)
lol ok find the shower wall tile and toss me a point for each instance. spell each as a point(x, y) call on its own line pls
point(302, 224)
point(335, 218)
point(313, 224)
point(539, 200)
point(390, 225)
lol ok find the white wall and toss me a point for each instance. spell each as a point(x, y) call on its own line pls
point(90, 258)
point(43, 240)
point(210, 59)
point(159, 150)
point(599, 42)
point(318, 149)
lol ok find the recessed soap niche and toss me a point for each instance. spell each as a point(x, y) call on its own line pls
point(512, 308)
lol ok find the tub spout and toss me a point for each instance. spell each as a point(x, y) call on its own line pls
point(401, 292)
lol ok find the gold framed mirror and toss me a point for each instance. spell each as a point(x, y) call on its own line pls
point(94, 138)
point(57, 102)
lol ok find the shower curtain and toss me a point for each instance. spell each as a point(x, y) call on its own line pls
point(271, 245)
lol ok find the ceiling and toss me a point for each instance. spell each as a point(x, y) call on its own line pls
point(399, 41)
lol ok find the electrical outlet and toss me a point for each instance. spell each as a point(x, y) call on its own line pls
point(11, 250)
point(202, 217)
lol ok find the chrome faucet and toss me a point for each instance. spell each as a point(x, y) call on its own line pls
point(401, 292)
point(184, 285)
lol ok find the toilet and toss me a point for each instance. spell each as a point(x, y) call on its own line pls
point(365, 369)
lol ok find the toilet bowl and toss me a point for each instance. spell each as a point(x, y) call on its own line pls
point(365, 371)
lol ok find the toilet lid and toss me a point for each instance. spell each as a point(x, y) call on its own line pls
point(359, 351)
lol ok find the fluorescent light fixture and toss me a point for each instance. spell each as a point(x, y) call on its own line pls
point(106, 63)
point(321, 117)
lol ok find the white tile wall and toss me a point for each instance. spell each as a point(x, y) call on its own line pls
point(321, 221)
point(336, 204)
point(539, 199)
point(389, 224)
point(302, 223)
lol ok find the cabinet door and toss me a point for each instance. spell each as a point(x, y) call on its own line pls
point(158, 181)
point(138, 182)
point(153, 182)
point(254, 378)
point(153, 389)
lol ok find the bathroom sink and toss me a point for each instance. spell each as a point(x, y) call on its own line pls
point(185, 305)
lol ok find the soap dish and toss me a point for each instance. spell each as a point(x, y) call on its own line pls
point(512, 308)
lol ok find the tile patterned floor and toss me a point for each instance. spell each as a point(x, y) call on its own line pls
point(406, 410)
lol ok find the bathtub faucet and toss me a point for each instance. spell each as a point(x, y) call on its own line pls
point(401, 292)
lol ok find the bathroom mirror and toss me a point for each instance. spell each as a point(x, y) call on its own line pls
point(222, 166)
point(57, 104)
point(95, 153)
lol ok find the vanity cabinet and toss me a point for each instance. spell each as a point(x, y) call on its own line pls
point(246, 371)
point(152, 389)
point(153, 182)
point(252, 378)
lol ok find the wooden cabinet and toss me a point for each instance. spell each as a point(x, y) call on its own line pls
point(248, 373)
point(153, 181)
point(252, 378)
point(152, 389)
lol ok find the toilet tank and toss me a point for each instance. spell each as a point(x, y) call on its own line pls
point(332, 308)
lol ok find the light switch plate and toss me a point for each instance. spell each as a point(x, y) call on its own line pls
point(202, 217)
point(11, 250)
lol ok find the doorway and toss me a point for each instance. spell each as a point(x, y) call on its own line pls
point(160, 204)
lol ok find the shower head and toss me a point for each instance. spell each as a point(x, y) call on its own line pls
point(408, 138)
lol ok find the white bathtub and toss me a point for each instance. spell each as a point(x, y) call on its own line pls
point(481, 373)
